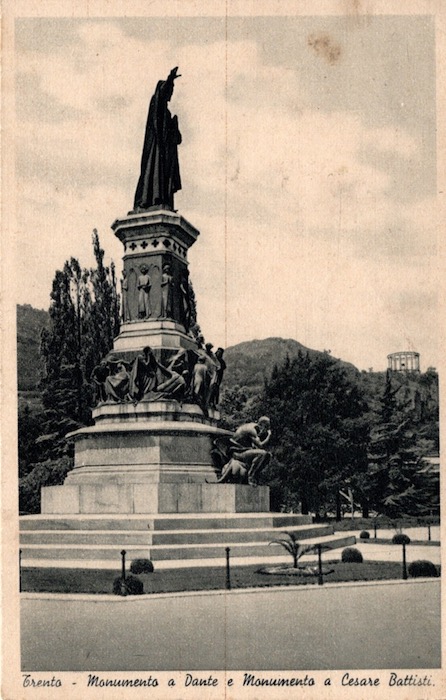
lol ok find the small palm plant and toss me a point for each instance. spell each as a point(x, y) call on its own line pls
point(292, 546)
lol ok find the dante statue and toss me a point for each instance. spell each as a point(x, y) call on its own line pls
point(160, 171)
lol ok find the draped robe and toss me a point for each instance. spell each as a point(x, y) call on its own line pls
point(160, 171)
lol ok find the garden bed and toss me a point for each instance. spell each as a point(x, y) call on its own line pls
point(96, 581)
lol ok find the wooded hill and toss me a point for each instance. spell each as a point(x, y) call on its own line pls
point(249, 365)
point(30, 366)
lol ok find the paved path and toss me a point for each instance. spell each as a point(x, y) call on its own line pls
point(380, 625)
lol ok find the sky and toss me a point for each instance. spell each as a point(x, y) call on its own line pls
point(308, 164)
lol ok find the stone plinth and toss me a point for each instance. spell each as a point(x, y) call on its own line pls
point(159, 335)
point(152, 457)
point(150, 442)
point(134, 498)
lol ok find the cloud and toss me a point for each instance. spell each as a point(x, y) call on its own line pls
point(303, 232)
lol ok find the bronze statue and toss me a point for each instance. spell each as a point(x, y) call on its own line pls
point(117, 384)
point(160, 171)
point(243, 456)
point(144, 285)
point(186, 307)
point(99, 376)
point(125, 308)
point(151, 381)
point(214, 391)
point(143, 377)
point(166, 292)
point(200, 384)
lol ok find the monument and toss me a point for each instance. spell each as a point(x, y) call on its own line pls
point(153, 445)
point(155, 473)
point(404, 361)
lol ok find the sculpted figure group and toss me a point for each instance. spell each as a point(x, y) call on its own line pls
point(241, 457)
point(144, 304)
point(190, 376)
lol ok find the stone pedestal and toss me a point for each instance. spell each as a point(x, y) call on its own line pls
point(145, 498)
point(155, 239)
point(152, 457)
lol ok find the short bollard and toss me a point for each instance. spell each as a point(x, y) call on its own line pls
point(123, 586)
point(429, 532)
point(20, 570)
point(320, 579)
point(375, 527)
point(228, 569)
point(404, 562)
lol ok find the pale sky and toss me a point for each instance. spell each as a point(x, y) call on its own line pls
point(308, 164)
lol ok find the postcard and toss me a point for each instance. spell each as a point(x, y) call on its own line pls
point(222, 293)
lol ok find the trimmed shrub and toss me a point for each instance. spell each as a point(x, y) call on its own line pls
point(141, 566)
point(364, 535)
point(400, 538)
point(422, 567)
point(128, 586)
point(352, 555)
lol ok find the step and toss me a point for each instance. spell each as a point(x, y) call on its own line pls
point(145, 538)
point(162, 522)
point(167, 552)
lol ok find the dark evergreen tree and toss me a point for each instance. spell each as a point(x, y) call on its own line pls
point(398, 481)
point(104, 312)
point(83, 322)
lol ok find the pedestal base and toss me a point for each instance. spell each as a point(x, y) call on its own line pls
point(134, 498)
point(155, 457)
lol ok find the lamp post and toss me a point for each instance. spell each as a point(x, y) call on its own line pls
point(320, 579)
point(375, 527)
point(404, 562)
point(123, 584)
point(228, 569)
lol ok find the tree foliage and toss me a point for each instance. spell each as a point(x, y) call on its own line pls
point(320, 432)
point(398, 480)
point(84, 319)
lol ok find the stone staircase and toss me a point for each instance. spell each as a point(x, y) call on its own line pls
point(173, 539)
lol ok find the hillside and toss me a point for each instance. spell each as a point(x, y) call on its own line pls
point(249, 363)
point(30, 322)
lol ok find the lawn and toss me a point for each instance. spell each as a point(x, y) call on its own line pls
point(95, 581)
point(387, 540)
point(382, 522)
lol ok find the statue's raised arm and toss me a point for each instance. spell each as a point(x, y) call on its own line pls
point(160, 171)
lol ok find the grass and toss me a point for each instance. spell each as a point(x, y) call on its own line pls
point(382, 522)
point(95, 581)
point(382, 540)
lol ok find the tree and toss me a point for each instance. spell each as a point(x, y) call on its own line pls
point(398, 482)
point(235, 408)
point(84, 319)
point(104, 312)
point(319, 429)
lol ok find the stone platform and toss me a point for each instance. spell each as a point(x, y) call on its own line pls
point(152, 457)
point(133, 498)
point(95, 540)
